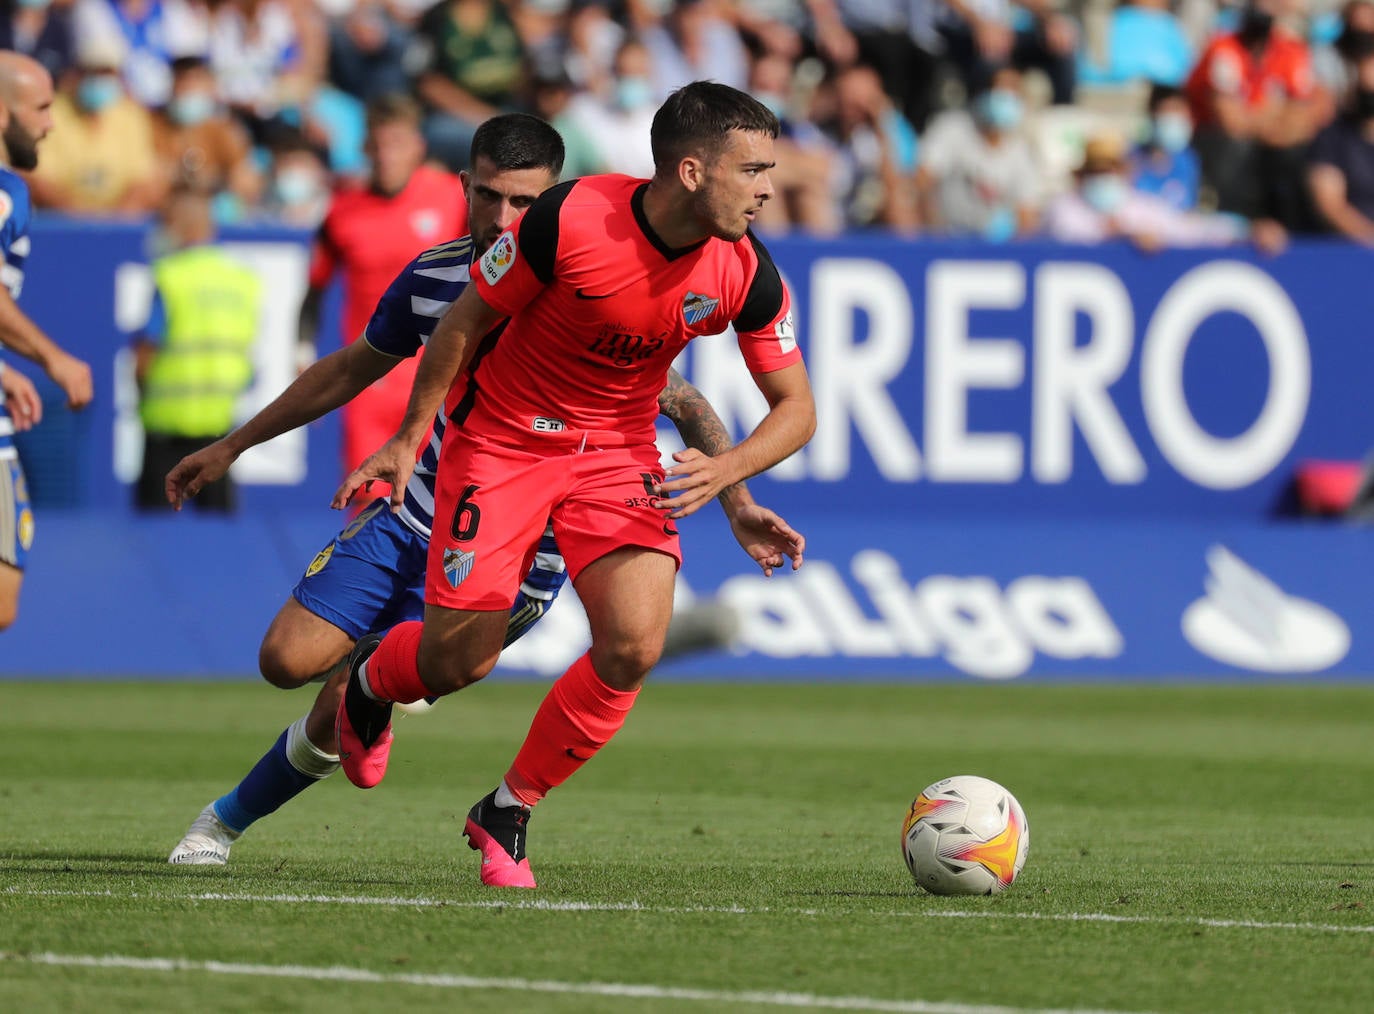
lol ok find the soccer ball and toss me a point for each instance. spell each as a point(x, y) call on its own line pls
point(965, 835)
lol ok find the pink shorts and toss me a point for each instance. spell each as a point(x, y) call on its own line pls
point(494, 500)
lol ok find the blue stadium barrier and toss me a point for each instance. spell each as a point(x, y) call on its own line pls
point(1032, 462)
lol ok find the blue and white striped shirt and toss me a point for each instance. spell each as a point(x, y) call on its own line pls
point(400, 325)
point(14, 251)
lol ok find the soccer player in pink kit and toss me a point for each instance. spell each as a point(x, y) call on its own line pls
point(605, 280)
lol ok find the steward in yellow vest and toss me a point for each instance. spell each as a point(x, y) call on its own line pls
point(194, 357)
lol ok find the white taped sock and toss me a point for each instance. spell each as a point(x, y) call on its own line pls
point(505, 797)
point(362, 682)
point(305, 756)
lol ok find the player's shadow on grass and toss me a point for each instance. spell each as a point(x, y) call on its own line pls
point(857, 894)
point(67, 861)
point(74, 867)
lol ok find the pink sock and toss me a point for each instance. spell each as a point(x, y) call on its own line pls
point(578, 717)
point(393, 671)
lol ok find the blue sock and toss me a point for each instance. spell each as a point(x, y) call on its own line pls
point(275, 779)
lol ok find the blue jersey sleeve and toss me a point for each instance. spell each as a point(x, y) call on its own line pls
point(418, 297)
point(388, 329)
point(14, 230)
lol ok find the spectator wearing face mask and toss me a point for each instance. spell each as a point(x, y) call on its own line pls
point(298, 185)
point(1165, 163)
point(99, 158)
point(1340, 168)
point(977, 175)
point(618, 121)
point(1103, 205)
point(200, 146)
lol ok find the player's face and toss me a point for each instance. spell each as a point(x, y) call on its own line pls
point(30, 119)
point(737, 185)
point(497, 198)
point(395, 151)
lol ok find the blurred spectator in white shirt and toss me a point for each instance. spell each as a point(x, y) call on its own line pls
point(1103, 205)
point(268, 58)
point(694, 43)
point(875, 151)
point(594, 35)
point(804, 176)
point(149, 33)
point(618, 121)
point(978, 175)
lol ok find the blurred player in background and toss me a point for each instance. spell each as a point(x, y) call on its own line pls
point(605, 280)
point(372, 575)
point(26, 96)
point(370, 232)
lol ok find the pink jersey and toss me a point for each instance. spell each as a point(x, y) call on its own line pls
point(600, 308)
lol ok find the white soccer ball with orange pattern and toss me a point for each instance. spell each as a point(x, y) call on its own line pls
point(965, 835)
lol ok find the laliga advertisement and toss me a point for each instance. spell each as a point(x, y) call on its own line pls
point(1031, 462)
point(1047, 462)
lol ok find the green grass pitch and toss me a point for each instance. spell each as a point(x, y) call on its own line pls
point(735, 849)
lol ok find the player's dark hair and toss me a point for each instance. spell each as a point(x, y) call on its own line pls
point(518, 141)
point(697, 120)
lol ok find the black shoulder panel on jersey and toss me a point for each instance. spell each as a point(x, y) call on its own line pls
point(764, 298)
point(539, 230)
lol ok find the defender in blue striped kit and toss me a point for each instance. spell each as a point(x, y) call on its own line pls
point(26, 96)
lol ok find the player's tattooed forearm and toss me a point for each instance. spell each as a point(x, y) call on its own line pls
point(693, 416)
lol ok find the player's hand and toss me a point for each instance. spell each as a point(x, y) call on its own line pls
point(392, 463)
point(74, 377)
point(196, 471)
point(767, 538)
point(21, 398)
point(693, 482)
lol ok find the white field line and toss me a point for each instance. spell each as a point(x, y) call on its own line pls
point(539, 905)
point(626, 990)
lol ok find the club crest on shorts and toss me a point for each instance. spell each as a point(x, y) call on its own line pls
point(458, 565)
point(321, 558)
point(696, 308)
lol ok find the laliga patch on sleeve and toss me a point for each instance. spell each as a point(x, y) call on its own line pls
point(6, 207)
point(787, 333)
point(497, 261)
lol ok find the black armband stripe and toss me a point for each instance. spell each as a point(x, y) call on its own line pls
point(539, 230)
point(764, 299)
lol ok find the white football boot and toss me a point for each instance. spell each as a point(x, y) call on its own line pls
point(206, 843)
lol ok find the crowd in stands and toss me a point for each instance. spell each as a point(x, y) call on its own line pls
point(1164, 121)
